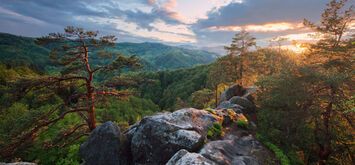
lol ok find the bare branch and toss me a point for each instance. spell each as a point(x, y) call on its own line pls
point(101, 67)
point(74, 140)
point(69, 133)
point(33, 133)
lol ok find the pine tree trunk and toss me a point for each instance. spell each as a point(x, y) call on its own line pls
point(216, 96)
point(91, 99)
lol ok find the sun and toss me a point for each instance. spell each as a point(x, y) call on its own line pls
point(297, 47)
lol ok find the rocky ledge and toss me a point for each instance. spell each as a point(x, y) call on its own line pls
point(180, 137)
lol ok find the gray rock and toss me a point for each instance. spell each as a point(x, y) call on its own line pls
point(251, 89)
point(227, 105)
point(183, 157)
point(245, 103)
point(232, 150)
point(104, 146)
point(234, 90)
point(249, 97)
point(221, 151)
point(244, 160)
point(227, 117)
point(157, 138)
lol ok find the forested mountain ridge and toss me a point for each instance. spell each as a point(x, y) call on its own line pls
point(301, 106)
point(154, 56)
point(167, 57)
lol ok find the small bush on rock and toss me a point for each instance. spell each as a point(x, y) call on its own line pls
point(210, 110)
point(242, 124)
point(214, 131)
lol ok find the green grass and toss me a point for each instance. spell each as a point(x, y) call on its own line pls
point(278, 152)
point(242, 124)
point(214, 131)
point(210, 110)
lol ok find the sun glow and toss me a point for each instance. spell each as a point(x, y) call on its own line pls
point(296, 47)
point(269, 27)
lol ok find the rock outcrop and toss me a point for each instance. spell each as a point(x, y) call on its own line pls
point(167, 133)
point(234, 90)
point(105, 146)
point(184, 157)
point(232, 149)
point(229, 105)
point(246, 105)
point(180, 137)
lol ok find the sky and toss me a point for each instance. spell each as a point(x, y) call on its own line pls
point(198, 23)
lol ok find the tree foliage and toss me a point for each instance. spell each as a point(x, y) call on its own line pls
point(238, 49)
point(73, 51)
point(309, 99)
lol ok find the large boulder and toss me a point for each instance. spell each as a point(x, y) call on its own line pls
point(234, 90)
point(225, 104)
point(249, 97)
point(184, 157)
point(245, 103)
point(232, 150)
point(228, 105)
point(245, 160)
point(155, 139)
point(105, 146)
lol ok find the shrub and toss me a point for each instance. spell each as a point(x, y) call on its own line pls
point(242, 124)
point(214, 131)
point(294, 158)
point(278, 152)
point(210, 110)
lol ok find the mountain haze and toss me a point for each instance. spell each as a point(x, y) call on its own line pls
point(154, 56)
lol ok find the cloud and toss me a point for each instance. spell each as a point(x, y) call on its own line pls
point(164, 10)
point(151, 2)
point(101, 15)
point(262, 12)
point(269, 27)
point(18, 17)
point(181, 29)
point(62, 12)
point(264, 19)
point(199, 22)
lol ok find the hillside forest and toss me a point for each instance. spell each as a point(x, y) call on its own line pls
point(55, 89)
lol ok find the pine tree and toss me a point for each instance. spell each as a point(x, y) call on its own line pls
point(240, 45)
point(334, 58)
point(74, 50)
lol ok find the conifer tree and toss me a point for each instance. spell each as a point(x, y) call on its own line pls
point(240, 45)
point(74, 52)
point(334, 58)
point(311, 99)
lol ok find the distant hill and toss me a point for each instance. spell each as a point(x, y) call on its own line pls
point(214, 49)
point(154, 56)
point(22, 49)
